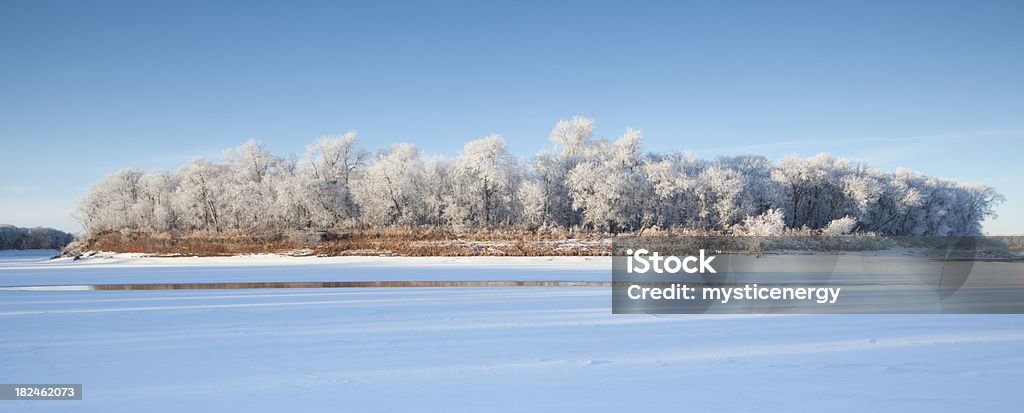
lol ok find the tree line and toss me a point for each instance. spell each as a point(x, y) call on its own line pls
point(581, 183)
point(17, 238)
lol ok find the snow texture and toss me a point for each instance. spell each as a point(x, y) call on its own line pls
point(466, 349)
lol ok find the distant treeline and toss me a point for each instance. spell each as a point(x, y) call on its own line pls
point(16, 238)
point(580, 184)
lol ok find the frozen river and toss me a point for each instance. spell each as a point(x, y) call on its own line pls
point(466, 349)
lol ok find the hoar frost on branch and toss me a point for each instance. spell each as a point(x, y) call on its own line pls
point(580, 183)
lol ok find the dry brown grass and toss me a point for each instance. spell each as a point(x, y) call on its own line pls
point(195, 244)
point(433, 242)
point(421, 242)
point(391, 241)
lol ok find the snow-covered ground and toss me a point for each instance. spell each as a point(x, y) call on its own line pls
point(466, 349)
point(108, 268)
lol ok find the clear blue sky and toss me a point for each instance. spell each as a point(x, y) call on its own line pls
point(89, 87)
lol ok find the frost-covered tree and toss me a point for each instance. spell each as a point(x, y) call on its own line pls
point(390, 191)
point(334, 162)
point(719, 189)
point(974, 204)
point(252, 174)
point(841, 226)
point(112, 204)
point(547, 194)
point(759, 192)
point(769, 223)
point(436, 191)
point(485, 185)
point(155, 205)
point(202, 196)
point(609, 185)
point(813, 189)
point(581, 183)
point(571, 137)
point(675, 179)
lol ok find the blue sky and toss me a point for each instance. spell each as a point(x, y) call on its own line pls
point(87, 88)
